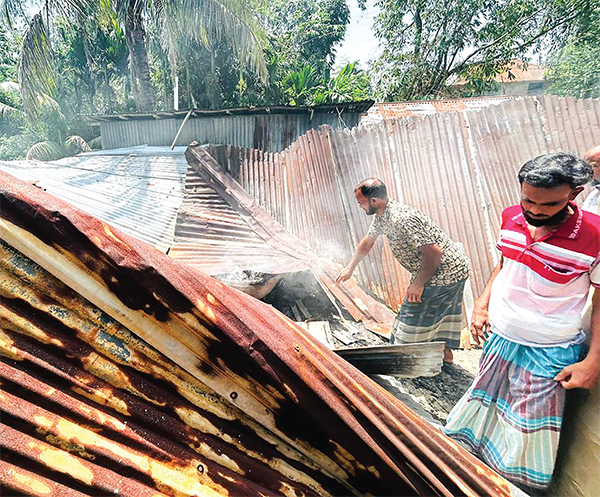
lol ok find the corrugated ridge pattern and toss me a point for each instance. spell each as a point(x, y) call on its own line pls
point(138, 191)
point(215, 239)
point(457, 167)
point(270, 133)
point(126, 372)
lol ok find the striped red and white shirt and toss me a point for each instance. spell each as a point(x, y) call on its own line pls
point(538, 296)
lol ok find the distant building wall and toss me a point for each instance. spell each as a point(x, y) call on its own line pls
point(271, 130)
point(531, 88)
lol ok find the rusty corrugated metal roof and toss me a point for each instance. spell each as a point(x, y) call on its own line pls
point(460, 168)
point(392, 110)
point(126, 372)
point(361, 306)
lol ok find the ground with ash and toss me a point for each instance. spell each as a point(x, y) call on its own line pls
point(430, 397)
point(301, 298)
point(433, 398)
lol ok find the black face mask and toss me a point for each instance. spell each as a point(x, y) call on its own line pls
point(560, 217)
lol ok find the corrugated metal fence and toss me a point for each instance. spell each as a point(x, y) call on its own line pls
point(459, 168)
point(272, 132)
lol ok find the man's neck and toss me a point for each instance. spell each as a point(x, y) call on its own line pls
point(381, 210)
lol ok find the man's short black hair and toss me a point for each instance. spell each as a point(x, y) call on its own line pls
point(553, 170)
point(372, 188)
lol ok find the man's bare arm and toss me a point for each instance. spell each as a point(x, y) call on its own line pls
point(480, 319)
point(432, 255)
point(363, 248)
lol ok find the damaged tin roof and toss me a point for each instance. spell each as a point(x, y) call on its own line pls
point(127, 372)
point(356, 301)
point(197, 225)
point(137, 189)
point(459, 168)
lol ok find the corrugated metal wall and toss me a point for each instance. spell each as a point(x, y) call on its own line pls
point(272, 132)
point(459, 168)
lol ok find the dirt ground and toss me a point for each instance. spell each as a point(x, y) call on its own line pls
point(434, 397)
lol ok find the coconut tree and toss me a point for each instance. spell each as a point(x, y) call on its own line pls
point(182, 24)
point(177, 20)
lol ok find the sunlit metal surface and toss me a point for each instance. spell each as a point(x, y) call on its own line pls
point(214, 238)
point(139, 189)
point(460, 168)
point(359, 304)
point(125, 372)
point(270, 128)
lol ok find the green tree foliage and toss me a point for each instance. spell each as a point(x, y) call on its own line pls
point(177, 22)
point(306, 87)
point(574, 69)
point(9, 55)
point(306, 32)
point(428, 43)
point(80, 57)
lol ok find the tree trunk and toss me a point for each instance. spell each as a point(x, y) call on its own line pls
point(138, 57)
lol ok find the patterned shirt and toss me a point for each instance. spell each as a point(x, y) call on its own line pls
point(538, 295)
point(407, 230)
point(590, 203)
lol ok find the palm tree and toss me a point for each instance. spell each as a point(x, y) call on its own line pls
point(177, 20)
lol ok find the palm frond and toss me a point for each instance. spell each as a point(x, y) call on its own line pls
point(76, 145)
point(69, 7)
point(12, 10)
point(7, 110)
point(46, 151)
point(222, 19)
point(36, 67)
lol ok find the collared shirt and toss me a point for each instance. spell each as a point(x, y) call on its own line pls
point(538, 295)
point(591, 202)
point(407, 230)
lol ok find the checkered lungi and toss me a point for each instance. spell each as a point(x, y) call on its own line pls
point(438, 317)
point(512, 414)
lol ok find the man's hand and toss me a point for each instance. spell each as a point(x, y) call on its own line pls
point(582, 374)
point(480, 323)
point(414, 293)
point(345, 274)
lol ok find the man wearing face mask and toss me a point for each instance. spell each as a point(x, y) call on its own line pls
point(529, 314)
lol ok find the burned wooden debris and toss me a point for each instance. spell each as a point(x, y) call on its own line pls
point(406, 360)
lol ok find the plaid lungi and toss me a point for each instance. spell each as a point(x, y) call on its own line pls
point(437, 317)
point(512, 414)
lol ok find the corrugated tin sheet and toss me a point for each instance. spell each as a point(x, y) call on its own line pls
point(216, 239)
point(460, 168)
point(269, 130)
point(124, 372)
point(139, 190)
point(361, 306)
point(392, 110)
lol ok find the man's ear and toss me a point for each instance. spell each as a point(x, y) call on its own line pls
point(575, 192)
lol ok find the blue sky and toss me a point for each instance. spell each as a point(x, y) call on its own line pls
point(360, 42)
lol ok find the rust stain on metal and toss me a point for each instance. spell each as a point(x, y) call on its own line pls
point(109, 360)
point(458, 167)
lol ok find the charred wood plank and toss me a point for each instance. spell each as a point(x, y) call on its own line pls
point(404, 360)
